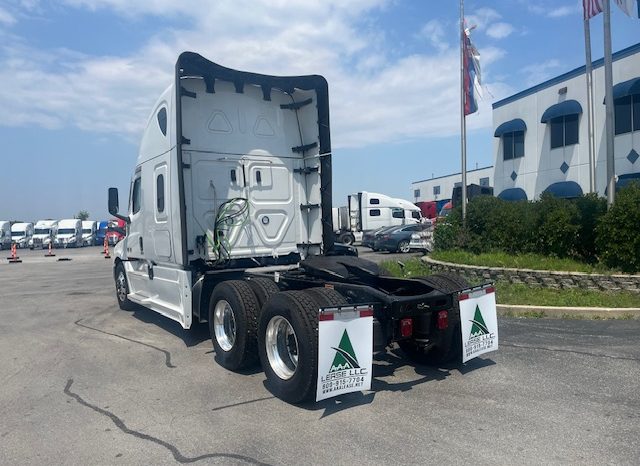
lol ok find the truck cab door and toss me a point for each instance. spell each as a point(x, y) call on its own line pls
point(135, 237)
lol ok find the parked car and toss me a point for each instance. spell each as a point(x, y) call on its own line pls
point(401, 239)
point(369, 237)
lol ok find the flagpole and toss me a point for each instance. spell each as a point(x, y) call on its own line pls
point(590, 110)
point(463, 126)
point(608, 100)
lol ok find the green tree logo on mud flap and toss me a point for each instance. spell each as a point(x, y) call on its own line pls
point(345, 355)
point(478, 326)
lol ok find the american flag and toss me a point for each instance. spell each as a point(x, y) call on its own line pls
point(594, 7)
point(472, 84)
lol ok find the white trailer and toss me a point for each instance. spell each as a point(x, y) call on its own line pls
point(367, 211)
point(44, 234)
point(229, 222)
point(69, 233)
point(89, 228)
point(21, 234)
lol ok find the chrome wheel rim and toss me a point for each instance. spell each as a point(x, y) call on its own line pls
point(224, 325)
point(121, 287)
point(282, 347)
point(404, 247)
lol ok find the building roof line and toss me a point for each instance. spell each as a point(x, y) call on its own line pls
point(566, 76)
point(452, 174)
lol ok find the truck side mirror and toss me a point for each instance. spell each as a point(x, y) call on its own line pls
point(114, 205)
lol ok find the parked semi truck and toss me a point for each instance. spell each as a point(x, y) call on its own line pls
point(5, 234)
point(69, 233)
point(21, 233)
point(44, 234)
point(101, 232)
point(89, 228)
point(366, 211)
point(229, 221)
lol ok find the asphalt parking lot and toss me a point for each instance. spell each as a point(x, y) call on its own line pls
point(86, 383)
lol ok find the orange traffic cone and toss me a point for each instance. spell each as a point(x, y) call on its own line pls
point(50, 253)
point(14, 259)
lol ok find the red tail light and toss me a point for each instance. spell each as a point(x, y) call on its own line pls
point(406, 327)
point(443, 320)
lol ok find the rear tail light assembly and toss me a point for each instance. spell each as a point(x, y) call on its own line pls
point(406, 328)
point(442, 320)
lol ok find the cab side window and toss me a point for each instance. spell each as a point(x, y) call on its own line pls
point(136, 196)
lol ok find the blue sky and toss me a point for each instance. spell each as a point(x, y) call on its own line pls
point(78, 79)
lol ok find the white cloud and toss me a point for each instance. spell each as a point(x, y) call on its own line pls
point(540, 72)
point(482, 17)
point(6, 18)
point(552, 9)
point(374, 96)
point(499, 30)
point(434, 32)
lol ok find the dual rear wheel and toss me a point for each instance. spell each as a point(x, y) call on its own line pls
point(252, 319)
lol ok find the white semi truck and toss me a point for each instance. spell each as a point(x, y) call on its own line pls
point(69, 233)
point(44, 234)
point(21, 233)
point(89, 228)
point(5, 234)
point(229, 222)
point(367, 211)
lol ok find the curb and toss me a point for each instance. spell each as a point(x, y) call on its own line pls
point(509, 310)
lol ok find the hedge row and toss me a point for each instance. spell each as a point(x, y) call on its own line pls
point(581, 228)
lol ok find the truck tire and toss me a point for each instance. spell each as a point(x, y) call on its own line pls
point(233, 320)
point(326, 297)
point(263, 288)
point(450, 351)
point(288, 345)
point(346, 238)
point(122, 287)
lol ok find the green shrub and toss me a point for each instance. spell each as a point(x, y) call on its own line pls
point(590, 209)
point(556, 222)
point(618, 231)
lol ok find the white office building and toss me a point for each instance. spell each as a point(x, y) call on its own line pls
point(440, 188)
point(541, 134)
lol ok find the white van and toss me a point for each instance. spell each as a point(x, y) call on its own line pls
point(89, 232)
point(44, 234)
point(5, 234)
point(69, 233)
point(21, 234)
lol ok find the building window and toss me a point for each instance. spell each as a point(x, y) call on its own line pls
point(627, 114)
point(374, 213)
point(513, 145)
point(374, 201)
point(564, 131)
point(436, 190)
point(416, 193)
point(484, 181)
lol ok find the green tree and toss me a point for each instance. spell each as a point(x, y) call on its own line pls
point(82, 215)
